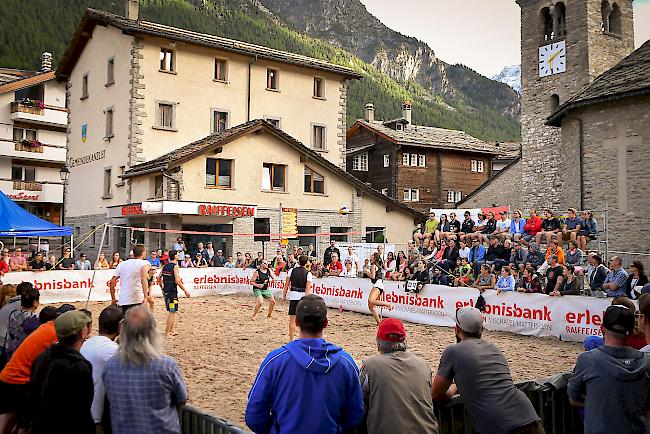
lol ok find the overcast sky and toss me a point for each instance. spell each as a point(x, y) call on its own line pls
point(482, 34)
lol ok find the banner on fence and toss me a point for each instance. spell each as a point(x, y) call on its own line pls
point(570, 318)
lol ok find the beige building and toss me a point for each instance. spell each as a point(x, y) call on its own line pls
point(33, 121)
point(138, 90)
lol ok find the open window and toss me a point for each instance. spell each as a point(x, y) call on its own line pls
point(274, 177)
point(314, 182)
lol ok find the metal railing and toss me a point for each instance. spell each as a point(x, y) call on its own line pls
point(196, 421)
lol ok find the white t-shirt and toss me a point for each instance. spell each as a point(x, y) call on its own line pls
point(97, 350)
point(503, 225)
point(295, 295)
point(355, 260)
point(464, 253)
point(131, 291)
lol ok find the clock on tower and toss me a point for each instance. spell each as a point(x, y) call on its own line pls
point(552, 59)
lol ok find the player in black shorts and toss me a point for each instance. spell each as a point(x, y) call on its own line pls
point(298, 284)
point(169, 280)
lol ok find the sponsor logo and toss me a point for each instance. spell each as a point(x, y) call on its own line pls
point(21, 195)
point(513, 311)
point(132, 210)
point(413, 300)
point(338, 291)
point(63, 284)
point(227, 210)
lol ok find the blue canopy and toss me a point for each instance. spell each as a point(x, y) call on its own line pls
point(18, 222)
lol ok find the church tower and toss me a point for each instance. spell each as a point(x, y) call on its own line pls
point(565, 45)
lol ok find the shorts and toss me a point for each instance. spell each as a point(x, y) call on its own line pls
point(171, 302)
point(266, 293)
point(293, 305)
point(528, 237)
point(126, 307)
point(13, 399)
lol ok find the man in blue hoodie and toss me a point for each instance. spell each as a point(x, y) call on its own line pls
point(308, 385)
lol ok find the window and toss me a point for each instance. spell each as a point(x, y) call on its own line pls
point(319, 88)
point(411, 195)
point(555, 102)
point(405, 159)
point(84, 86)
point(615, 25)
point(219, 121)
point(559, 11)
point(24, 134)
point(414, 160)
point(107, 183)
point(93, 235)
point(36, 92)
point(110, 71)
point(120, 181)
point(375, 234)
point(273, 121)
point(23, 173)
point(386, 160)
point(167, 60)
point(454, 196)
point(220, 70)
point(272, 79)
point(166, 116)
point(421, 160)
point(339, 238)
point(273, 177)
point(477, 166)
point(384, 191)
point(318, 137)
point(109, 123)
point(158, 186)
point(360, 162)
point(218, 173)
point(547, 23)
point(314, 182)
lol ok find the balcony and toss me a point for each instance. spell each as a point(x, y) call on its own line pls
point(32, 151)
point(33, 191)
point(38, 113)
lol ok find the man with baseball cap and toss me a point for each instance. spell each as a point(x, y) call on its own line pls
point(482, 377)
point(61, 382)
point(308, 385)
point(396, 386)
point(612, 382)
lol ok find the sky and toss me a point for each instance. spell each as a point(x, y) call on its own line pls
point(482, 34)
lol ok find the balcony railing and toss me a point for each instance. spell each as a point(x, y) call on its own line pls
point(37, 112)
point(34, 108)
point(29, 146)
point(28, 185)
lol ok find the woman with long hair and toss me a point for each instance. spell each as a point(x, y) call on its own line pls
point(529, 281)
point(443, 228)
point(248, 260)
point(374, 299)
point(637, 277)
point(486, 279)
point(401, 264)
point(115, 260)
point(101, 263)
point(390, 265)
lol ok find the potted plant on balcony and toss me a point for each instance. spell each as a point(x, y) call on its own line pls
point(34, 106)
point(30, 145)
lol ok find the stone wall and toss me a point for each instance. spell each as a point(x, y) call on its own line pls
point(502, 189)
point(82, 226)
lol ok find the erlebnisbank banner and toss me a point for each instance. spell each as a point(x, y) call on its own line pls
point(570, 318)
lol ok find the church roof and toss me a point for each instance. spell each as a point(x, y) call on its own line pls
point(630, 77)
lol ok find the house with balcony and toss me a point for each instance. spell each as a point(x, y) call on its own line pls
point(33, 123)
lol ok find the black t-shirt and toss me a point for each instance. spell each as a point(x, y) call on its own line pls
point(37, 265)
point(455, 226)
point(67, 263)
point(494, 252)
point(551, 224)
point(467, 226)
point(552, 274)
point(169, 280)
point(490, 226)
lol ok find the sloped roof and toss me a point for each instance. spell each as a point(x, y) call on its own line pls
point(630, 77)
point(93, 17)
point(429, 137)
point(508, 150)
point(22, 83)
point(185, 153)
point(8, 75)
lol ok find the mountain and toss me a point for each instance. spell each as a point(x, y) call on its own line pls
point(510, 75)
point(442, 95)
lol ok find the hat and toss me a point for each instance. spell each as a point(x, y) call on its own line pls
point(619, 319)
point(645, 289)
point(469, 319)
point(65, 307)
point(391, 330)
point(311, 306)
point(503, 212)
point(70, 323)
point(593, 342)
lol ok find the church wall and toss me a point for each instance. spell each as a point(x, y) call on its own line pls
point(504, 190)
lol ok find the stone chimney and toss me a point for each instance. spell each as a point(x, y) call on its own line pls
point(406, 110)
point(369, 113)
point(132, 11)
point(46, 62)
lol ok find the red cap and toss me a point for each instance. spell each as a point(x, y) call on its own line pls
point(391, 330)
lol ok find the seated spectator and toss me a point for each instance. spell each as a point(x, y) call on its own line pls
point(248, 261)
point(356, 267)
point(7, 294)
point(11, 305)
point(532, 227)
point(430, 228)
point(401, 265)
point(569, 284)
point(83, 263)
point(573, 256)
point(38, 263)
point(550, 227)
point(518, 255)
point(187, 261)
point(637, 277)
point(644, 320)
point(463, 250)
point(480, 226)
point(51, 263)
point(17, 261)
point(494, 252)
point(116, 260)
point(479, 371)
point(598, 275)
point(239, 260)
point(218, 260)
point(143, 386)
point(555, 248)
point(464, 273)
point(454, 224)
point(421, 275)
point(4, 263)
point(67, 262)
point(517, 225)
point(504, 259)
point(392, 378)
point(503, 226)
point(101, 263)
point(199, 261)
point(529, 282)
point(349, 271)
point(636, 339)
point(572, 225)
point(229, 263)
point(16, 332)
point(391, 264)
point(486, 279)
point(444, 229)
point(154, 260)
point(467, 228)
point(612, 382)
point(588, 230)
point(430, 251)
point(505, 282)
point(449, 256)
point(476, 255)
point(490, 228)
point(318, 374)
point(61, 381)
point(438, 277)
point(412, 254)
point(163, 255)
point(335, 267)
point(535, 257)
point(365, 270)
point(258, 261)
point(614, 285)
point(554, 275)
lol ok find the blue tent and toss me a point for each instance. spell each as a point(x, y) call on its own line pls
point(17, 222)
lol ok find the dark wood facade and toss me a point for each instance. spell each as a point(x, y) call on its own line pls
point(444, 170)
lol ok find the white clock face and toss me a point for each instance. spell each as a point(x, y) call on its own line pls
point(552, 59)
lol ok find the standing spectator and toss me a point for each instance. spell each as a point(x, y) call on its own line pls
point(505, 282)
point(98, 350)
point(37, 264)
point(116, 260)
point(644, 320)
point(311, 252)
point(598, 274)
point(153, 259)
point(144, 387)
point(614, 284)
point(218, 260)
point(61, 381)
point(17, 261)
point(554, 275)
point(529, 281)
point(133, 275)
point(203, 252)
point(397, 378)
point(572, 225)
point(637, 277)
point(16, 331)
point(101, 263)
point(550, 227)
point(517, 225)
point(327, 256)
point(588, 230)
point(479, 371)
point(83, 263)
point(636, 339)
point(354, 259)
point(67, 262)
point(532, 227)
point(467, 227)
point(612, 382)
point(308, 385)
point(503, 226)
point(179, 245)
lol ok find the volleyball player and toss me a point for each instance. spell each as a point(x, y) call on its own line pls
point(260, 282)
point(298, 284)
point(170, 280)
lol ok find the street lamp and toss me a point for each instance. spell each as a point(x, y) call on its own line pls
point(64, 173)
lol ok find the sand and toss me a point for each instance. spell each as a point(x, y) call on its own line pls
point(219, 347)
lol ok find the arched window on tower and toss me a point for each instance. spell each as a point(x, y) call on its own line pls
point(547, 23)
point(559, 22)
point(605, 11)
point(555, 102)
point(615, 25)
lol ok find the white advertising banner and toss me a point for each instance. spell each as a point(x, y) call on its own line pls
point(570, 318)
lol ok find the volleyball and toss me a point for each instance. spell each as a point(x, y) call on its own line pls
point(344, 210)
